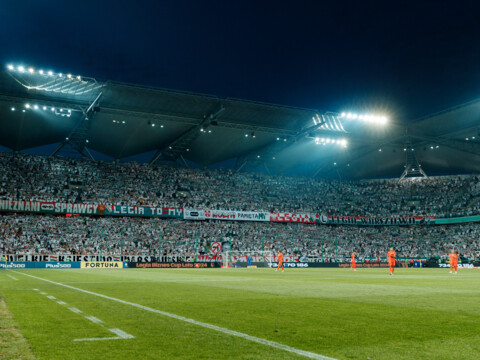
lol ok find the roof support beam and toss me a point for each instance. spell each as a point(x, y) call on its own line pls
point(178, 146)
point(77, 138)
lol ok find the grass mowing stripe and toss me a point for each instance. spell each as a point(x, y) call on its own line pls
point(12, 343)
point(195, 322)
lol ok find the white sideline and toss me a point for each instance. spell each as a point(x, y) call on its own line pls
point(194, 322)
point(12, 277)
point(120, 333)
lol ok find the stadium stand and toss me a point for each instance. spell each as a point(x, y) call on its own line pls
point(29, 178)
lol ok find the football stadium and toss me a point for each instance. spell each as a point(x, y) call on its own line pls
point(142, 222)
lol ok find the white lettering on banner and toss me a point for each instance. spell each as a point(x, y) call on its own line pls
point(292, 217)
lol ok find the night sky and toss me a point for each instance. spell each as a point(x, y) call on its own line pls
point(407, 59)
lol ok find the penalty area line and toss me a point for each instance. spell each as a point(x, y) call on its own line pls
point(238, 334)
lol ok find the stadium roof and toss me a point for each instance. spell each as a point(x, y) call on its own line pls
point(120, 120)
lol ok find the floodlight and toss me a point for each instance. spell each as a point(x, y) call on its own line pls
point(40, 72)
point(44, 108)
point(284, 139)
point(343, 114)
point(53, 109)
point(27, 106)
point(278, 139)
point(246, 135)
point(380, 150)
point(328, 141)
point(13, 109)
point(258, 156)
point(23, 110)
point(79, 77)
point(354, 116)
point(69, 76)
point(10, 67)
point(123, 122)
point(50, 73)
point(60, 75)
point(349, 115)
point(273, 158)
point(344, 142)
point(161, 126)
point(21, 69)
point(31, 70)
point(87, 141)
point(188, 149)
point(210, 131)
point(201, 130)
point(153, 125)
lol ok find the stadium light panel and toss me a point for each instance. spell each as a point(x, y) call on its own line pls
point(53, 109)
point(31, 70)
point(246, 135)
point(23, 110)
point(60, 75)
point(13, 109)
point(21, 69)
point(50, 73)
point(10, 67)
point(69, 76)
point(161, 126)
point(27, 106)
point(375, 119)
point(40, 72)
point(44, 108)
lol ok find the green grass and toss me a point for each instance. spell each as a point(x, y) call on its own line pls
point(416, 314)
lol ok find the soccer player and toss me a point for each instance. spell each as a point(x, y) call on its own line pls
point(391, 260)
point(353, 265)
point(280, 262)
point(453, 261)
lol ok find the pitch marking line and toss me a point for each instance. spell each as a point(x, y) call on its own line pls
point(12, 277)
point(120, 334)
point(194, 322)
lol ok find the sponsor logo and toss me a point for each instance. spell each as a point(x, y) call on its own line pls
point(58, 266)
point(101, 265)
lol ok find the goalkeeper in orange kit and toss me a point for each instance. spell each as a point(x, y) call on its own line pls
point(353, 264)
point(453, 262)
point(280, 262)
point(391, 260)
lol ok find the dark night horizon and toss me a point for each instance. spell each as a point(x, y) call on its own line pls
point(406, 60)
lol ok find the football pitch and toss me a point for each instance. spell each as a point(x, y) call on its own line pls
point(239, 314)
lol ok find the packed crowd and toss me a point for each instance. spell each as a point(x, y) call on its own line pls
point(28, 177)
point(48, 234)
